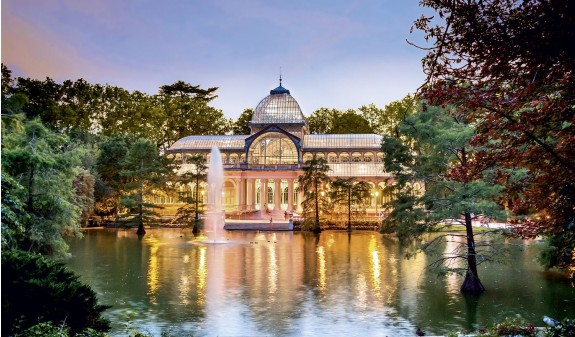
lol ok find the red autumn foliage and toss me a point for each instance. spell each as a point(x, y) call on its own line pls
point(509, 65)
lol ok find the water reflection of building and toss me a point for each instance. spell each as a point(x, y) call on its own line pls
point(261, 169)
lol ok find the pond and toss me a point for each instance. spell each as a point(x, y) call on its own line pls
point(300, 284)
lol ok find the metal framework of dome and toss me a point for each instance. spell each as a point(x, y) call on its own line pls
point(278, 108)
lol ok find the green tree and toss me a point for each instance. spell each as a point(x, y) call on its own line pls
point(44, 164)
point(349, 192)
point(509, 64)
point(186, 112)
point(454, 190)
point(14, 216)
point(145, 170)
point(109, 180)
point(350, 122)
point(312, 183)
point(83, 185)
point(321, 120)
point(386, 121)
point(333, 121)
point(196, 174)
point(241, 127)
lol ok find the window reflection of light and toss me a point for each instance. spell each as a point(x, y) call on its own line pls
point(184, 288)
point(273, 271)
point(451, 250)
point(322, 268)
point(362, 290)
point(375, 265)
point(153, 274)
point(202, 275)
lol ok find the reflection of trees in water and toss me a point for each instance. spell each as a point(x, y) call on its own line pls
point(290, 281)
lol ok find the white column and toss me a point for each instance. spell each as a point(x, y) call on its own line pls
point(290, 195)
point(249, 194)
point(277, 193)
point(239, 190)
point(263, 194)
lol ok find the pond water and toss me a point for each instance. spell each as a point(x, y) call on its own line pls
point(300, 284)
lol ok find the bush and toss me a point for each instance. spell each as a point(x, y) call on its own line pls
point(37, 292)
point(564, 329)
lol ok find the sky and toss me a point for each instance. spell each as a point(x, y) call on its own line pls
point(330, 53)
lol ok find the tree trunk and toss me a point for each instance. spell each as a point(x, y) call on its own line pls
point(141, 230)
point(349, 209)
point(196, 227)
point(316, 228)
point(472, 283)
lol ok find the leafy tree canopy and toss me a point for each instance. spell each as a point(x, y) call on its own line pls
point(241, 127)
point(82, 109)
point(313, 181)
point(454, 190)
point(333, 121)
point(509, 65)
point(40, 167)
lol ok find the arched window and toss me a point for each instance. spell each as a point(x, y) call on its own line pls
point(368, 157)
point(307, 156)
point(344, 158)
point(270, 195)
point(285, 195)
point(356, 157)
point(273, 148)
point(332, 157)
point(233, 158)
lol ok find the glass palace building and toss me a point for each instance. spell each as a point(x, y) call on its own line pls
point(261, 169)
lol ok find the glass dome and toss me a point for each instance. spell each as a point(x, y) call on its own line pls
point(278, 108)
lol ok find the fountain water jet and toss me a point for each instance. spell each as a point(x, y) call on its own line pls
point(215, 217)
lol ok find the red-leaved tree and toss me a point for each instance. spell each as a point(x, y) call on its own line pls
point(510, 65)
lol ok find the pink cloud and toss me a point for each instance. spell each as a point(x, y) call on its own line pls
point(37, 53)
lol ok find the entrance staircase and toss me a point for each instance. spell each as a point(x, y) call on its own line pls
point(272, 220)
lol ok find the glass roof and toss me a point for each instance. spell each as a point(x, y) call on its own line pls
point(341, 141)
point(353, 169)
point(223, 142)
point(278, 108)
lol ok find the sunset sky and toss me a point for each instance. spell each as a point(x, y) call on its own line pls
point(334, 54)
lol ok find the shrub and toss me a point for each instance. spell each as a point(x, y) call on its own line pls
point(36, 290)
point(564, 329)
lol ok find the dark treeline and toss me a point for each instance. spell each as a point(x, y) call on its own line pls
point(85, 111)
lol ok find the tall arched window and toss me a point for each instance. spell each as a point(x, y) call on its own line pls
point(285, 195)
point(270, 195)
point(273, 148)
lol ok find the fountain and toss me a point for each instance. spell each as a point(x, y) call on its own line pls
point(215, 216)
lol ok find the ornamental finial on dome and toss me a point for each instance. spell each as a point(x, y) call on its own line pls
point(279, 90)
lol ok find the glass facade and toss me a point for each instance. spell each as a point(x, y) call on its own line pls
point(223, 142)
point(343, 141)
point(272, 148)
point(261, 170)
